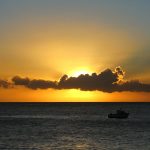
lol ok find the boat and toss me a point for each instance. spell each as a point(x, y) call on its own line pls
point(120, 114)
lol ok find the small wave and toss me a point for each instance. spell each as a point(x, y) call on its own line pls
point(56, 117)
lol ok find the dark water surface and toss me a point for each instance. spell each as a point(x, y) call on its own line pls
point(73, 126)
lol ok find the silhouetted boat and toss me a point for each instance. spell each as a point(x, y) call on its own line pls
point(120, 114)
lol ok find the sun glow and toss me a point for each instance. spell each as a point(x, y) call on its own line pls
point(77, 72)
point(74, 95)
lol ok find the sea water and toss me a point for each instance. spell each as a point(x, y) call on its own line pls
point(73, 126)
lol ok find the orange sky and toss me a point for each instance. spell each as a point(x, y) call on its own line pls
point(27, 95)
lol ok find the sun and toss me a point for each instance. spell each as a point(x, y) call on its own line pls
point(78, 71)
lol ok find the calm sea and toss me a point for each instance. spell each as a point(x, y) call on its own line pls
point(73, 126)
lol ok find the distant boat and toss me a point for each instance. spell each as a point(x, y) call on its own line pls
point(120, 114)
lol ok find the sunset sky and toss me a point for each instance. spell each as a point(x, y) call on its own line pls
point(106, 41)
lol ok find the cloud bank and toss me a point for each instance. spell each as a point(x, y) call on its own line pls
point(107, 81)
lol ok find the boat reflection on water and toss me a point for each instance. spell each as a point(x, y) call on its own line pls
point(120, 114)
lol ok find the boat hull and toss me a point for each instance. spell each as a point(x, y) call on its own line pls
point(118, 116)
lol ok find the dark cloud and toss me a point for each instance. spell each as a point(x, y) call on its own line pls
point(5, 84)
point(20, 81)
point(106, 81)
point(103, 81)
point(41, 84)
point(133, 86)
point(33, 84)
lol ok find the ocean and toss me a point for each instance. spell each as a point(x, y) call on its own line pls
point(73, 126)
